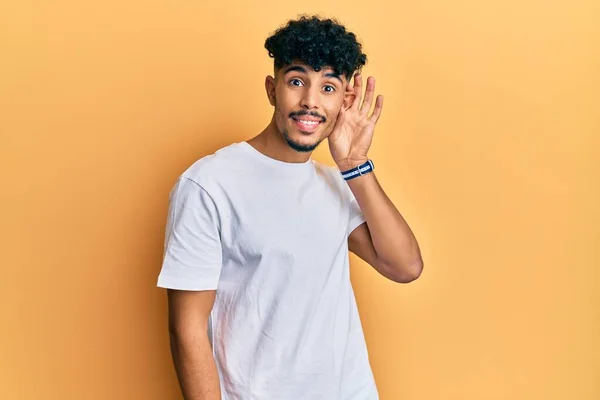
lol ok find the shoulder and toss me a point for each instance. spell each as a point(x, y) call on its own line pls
point(213, 167)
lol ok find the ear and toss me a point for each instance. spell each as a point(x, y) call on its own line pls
point(270, 88)
point(349, 97)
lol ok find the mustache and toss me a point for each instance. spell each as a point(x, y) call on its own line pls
point(310, 113)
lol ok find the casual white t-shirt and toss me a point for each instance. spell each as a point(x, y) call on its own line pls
point(272, 238)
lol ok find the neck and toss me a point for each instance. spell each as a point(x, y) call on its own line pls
point(271, 143)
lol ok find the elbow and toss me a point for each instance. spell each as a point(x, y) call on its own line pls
point(406, 273)
point(187, 332)
point(185, 339)
point(176, 336)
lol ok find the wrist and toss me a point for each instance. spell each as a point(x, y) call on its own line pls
point(349, 164)
point(358, 171)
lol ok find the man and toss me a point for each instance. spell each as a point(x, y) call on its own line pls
point(256, 251)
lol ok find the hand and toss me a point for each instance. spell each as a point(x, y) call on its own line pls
point(352, 133)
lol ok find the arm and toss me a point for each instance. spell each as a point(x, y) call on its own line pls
point(190, 347)
point(386, 241)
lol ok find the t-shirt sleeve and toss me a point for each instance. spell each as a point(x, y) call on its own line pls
point(356, 216)
point(192, 257)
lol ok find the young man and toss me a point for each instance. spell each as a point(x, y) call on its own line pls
point(256, 251)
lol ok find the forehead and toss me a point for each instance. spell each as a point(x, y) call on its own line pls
point(298, 67)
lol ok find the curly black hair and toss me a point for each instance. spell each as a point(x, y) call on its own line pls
point(318, 43)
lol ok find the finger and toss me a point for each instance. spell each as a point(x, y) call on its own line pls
point(366, 105)
point(357, 91)
point(377, 110)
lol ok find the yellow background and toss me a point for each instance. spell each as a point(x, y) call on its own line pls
point(488, 144)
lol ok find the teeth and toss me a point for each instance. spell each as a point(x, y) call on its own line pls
point(308, 122)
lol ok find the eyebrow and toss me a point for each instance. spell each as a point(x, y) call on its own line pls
point(303, 70)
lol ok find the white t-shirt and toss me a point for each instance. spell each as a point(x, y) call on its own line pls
point(272, 238)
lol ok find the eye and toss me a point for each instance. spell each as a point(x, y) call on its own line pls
point(329, 88)
point(295, 82)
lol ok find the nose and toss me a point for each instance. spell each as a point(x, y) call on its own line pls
point(310, 99)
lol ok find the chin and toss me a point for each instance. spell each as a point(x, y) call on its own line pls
point(304, 146)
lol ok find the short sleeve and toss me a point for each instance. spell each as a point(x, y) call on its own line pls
point(356, 217)
point(192, 257)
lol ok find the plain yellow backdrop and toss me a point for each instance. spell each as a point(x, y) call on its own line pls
point(488, 144)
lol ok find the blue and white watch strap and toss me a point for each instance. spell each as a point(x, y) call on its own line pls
point(359, 171)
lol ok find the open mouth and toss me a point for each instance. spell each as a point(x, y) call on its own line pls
point(306, 125)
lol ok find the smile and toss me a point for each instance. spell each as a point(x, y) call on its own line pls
point(306, 125)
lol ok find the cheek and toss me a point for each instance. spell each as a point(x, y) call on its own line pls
point(284, 104)
point(333, 112)
point(332, 115)
point(328, 128)
point(280, 112)
point(281, 115)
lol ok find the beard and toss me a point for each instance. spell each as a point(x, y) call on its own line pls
point(300, 147)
